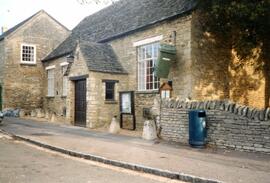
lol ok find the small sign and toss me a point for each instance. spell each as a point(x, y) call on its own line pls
point(165, 94)
point(127, 110)
point(126, 103)
point(165, 90)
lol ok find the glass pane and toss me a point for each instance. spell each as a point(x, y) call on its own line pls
point(155, 50)
point(28, 53)
point(149, 51)
point(141, 76)
point(109, 91)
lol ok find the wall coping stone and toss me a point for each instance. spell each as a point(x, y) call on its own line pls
point(221, 105)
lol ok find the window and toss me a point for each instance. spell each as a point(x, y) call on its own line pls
point(147, 58)
point(28, 54)
point(50, 73)
point(65, 80)
point(109, 87)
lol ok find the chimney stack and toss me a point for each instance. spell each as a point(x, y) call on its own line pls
point(3, 29)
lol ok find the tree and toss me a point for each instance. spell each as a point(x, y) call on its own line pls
point(245, 24)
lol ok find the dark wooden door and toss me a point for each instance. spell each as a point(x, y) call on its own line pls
point(80, 103)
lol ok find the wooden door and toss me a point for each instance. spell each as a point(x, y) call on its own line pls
point(80, 103)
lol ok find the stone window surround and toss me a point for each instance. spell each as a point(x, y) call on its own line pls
point(110, 101)
point(148, 41)
point(21, 54)
point(49, 92)
point(138, 44)
point(64, 66)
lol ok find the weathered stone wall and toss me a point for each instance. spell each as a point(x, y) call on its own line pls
point(247, 84)
point(217, 73)
point(210, 61)
point(228, 125)
point(142, 100)
point(23, 84)
point(100, 112)
point(2, 60)
point(180, 73)
point(56, 104)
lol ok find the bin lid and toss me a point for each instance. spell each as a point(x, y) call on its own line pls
point(167, 48)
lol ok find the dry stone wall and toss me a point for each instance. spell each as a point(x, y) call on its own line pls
point(229, 125)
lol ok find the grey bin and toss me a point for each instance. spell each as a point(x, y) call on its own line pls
point(197, 128)
point(167, 56)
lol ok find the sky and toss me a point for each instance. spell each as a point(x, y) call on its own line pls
point(67, 12)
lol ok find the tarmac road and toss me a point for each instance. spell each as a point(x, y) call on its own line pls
point(21, 163)
point(223, 165)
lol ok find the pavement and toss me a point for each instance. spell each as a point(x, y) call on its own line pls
point(24, 163)
point(157, 157)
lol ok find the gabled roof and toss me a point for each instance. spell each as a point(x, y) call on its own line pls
point(100, 57)
point(11, 30)
point(122, 18)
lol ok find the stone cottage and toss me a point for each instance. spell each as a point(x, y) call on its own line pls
point(116, 49)
point(21, 50)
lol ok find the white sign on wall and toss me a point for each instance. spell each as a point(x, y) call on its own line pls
point(126, 103)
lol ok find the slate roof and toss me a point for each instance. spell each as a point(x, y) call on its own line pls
point(121, 18)
point(100, 57)
point(9, 31)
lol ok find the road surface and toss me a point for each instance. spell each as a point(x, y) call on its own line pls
point(21, 163)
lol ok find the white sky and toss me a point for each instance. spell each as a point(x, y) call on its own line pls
point(67, 12)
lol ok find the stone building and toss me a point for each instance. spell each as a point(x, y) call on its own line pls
point(105, 47)
point(21, 50)
point(115, 50)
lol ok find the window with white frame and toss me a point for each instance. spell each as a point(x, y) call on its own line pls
point(147, 58)
point(28, 54)
point(50, 73)
point(65, 80)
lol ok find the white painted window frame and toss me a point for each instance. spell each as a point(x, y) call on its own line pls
point(50, 67)
point(35, 53)
point(50, 82)
point(148, 41)
point(142, 85)
point(63, 64)
point(139, 44)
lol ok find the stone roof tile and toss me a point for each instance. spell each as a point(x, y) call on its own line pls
point(121, 18)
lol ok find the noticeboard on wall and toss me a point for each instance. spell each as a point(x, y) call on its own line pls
point(126, 103)
point(127, 111)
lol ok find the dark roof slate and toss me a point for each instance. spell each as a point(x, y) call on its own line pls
point(123, 17)
point(100, 57)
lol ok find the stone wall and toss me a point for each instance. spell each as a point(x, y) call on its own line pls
point(56, 104)
point(180, 73)
point(2, 60)
point(142, 100)
point(228, 125)
point(99, 111)
point(217, 72)
point(23, 83)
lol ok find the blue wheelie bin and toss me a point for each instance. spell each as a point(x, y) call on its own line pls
point(197, 128)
